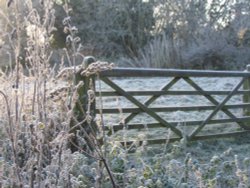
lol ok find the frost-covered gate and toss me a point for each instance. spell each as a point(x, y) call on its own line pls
point(234, 118)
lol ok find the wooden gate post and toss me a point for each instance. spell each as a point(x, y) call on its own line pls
point(84, 107)
point(88, 98)
point(246, 97)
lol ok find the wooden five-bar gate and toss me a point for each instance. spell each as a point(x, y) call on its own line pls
point(241, 89)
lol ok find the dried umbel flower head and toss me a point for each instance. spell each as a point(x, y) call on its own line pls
point(66, 20)
point(97, 67)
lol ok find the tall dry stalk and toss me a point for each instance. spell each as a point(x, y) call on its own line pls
point(35, 55)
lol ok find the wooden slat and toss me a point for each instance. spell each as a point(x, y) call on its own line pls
point(142, 106)
point(199, 137)
point(173, 92)
point(171, 108)
point(246, 97)
point(118, 127)
point(219, 107)
point(146, 72)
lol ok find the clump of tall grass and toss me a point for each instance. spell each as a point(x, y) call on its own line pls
point(160, 52)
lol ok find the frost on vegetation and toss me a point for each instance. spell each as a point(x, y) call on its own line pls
point(36, 153)
point(74, 170)
point(38, 33)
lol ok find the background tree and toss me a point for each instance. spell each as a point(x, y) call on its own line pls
point(204, 34)
point(112, 27)
point(189, 33)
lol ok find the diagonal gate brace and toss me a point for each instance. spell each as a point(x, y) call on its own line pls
point(213, 100)
point(141, 106)
point(218, 107)
point(153, 98)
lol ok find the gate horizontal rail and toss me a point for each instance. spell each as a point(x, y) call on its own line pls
point(117, 127)
point(170, 108)
point(147, 72)
point(199, 137)
point(182, 92)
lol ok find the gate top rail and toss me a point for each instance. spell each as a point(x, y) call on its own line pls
point(149, 72)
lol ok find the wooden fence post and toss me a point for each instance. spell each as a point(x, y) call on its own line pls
point(84, 109)
point(246, 97)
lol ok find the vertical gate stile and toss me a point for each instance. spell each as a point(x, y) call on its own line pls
point(246, 97)
point(89, 90)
